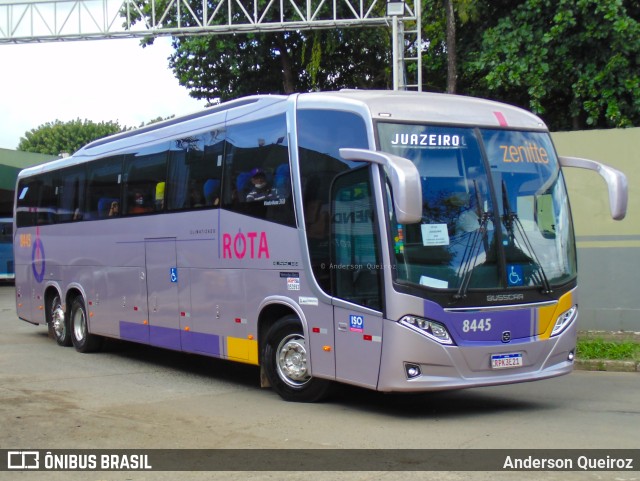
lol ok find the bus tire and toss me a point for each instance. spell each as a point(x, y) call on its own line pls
point(82, 339)
point(58, 322)
point(285, 353)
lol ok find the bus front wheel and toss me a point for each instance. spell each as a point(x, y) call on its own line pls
point(82, 339)
point(285, 354)
point(57, 322)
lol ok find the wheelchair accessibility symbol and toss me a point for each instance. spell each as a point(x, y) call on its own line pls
point(174, 274)
point(515, 275)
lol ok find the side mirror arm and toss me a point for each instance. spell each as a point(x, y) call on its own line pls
point(616, 183)
point(404, 177)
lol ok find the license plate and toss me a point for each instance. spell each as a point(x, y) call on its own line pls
point(506, 361)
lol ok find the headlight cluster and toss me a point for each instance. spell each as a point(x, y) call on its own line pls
point(564, 320)
point(432, 329)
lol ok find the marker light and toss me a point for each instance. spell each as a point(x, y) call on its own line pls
point(432, 329)
point(564, 320)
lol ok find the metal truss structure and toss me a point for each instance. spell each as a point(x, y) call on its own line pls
point(23, 21)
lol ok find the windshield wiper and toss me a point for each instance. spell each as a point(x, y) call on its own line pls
point(513, 225)
point(472, 249)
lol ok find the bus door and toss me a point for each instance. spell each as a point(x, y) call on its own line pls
point(358, 346)
point(162, 292)
point(356, 278)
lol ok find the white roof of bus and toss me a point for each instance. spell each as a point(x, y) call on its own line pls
point(432, 107)
point(385, 105)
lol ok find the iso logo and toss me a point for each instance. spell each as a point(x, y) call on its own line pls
point(356, 323)
point(23, 460)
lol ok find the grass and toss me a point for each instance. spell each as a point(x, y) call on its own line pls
point(616, 350)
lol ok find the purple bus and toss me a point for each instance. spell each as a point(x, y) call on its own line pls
point(391, 240)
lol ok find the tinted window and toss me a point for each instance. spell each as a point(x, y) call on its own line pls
point(27, 202)
point(257, 176)
point(103, 188)
point(354, 260)
point(195, 171)
point(321, 133)
point(71, 191)
point(6, 232)
point(145, 175)
point(37, 202)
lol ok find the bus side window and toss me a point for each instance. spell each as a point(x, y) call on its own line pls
point(195, 171)
point(145, 174)
point(37, 201)
point(70, 192)
point(104, 179)
point(321, 133)
point(257, 170)
point(48, 205)
point(27, 203)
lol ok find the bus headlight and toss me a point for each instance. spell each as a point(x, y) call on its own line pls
point(432, 329)
point(564, 320)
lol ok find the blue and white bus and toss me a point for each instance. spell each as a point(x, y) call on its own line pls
point(6, 249)
point(392, 240)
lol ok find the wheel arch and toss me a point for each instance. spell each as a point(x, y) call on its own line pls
point(73, 291)
point(50, 292)
point(270, 311)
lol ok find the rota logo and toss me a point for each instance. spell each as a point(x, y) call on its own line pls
point(253, 245)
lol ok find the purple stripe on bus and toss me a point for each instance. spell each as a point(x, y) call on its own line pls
point(201, 343)
point(165, 337)
point(134, 332)
point(484, 326)
point(188, 341)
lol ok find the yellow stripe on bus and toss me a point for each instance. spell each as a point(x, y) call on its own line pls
point(547, 316)
point(243, 350)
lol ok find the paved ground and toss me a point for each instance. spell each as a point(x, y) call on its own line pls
point(137, 397)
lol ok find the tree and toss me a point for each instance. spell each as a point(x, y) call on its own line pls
point(448, 24)
point(230, 66)
point(452, 62)
point(56, 137)
point(575, 62)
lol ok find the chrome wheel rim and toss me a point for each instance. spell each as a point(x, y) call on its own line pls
point(292, 361)
point(57, 319)
point(79, 325)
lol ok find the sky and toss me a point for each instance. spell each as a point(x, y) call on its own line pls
point(97, 80)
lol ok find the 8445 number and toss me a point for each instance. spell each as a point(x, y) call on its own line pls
point(476, 325)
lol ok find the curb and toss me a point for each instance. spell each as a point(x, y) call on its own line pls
point(606, 365)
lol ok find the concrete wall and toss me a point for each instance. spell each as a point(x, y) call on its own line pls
point(608, 250)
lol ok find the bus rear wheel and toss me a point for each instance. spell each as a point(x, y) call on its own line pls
point(57, 322)
point(82, 339)
point(285, 355)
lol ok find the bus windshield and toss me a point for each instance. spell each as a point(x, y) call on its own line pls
point(494, 214)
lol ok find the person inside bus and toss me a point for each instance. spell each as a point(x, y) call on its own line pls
point(159, 199)
point(196, 197)
point(210, 190)
point(138, 206)
point(260, 189)
point(114, 209)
